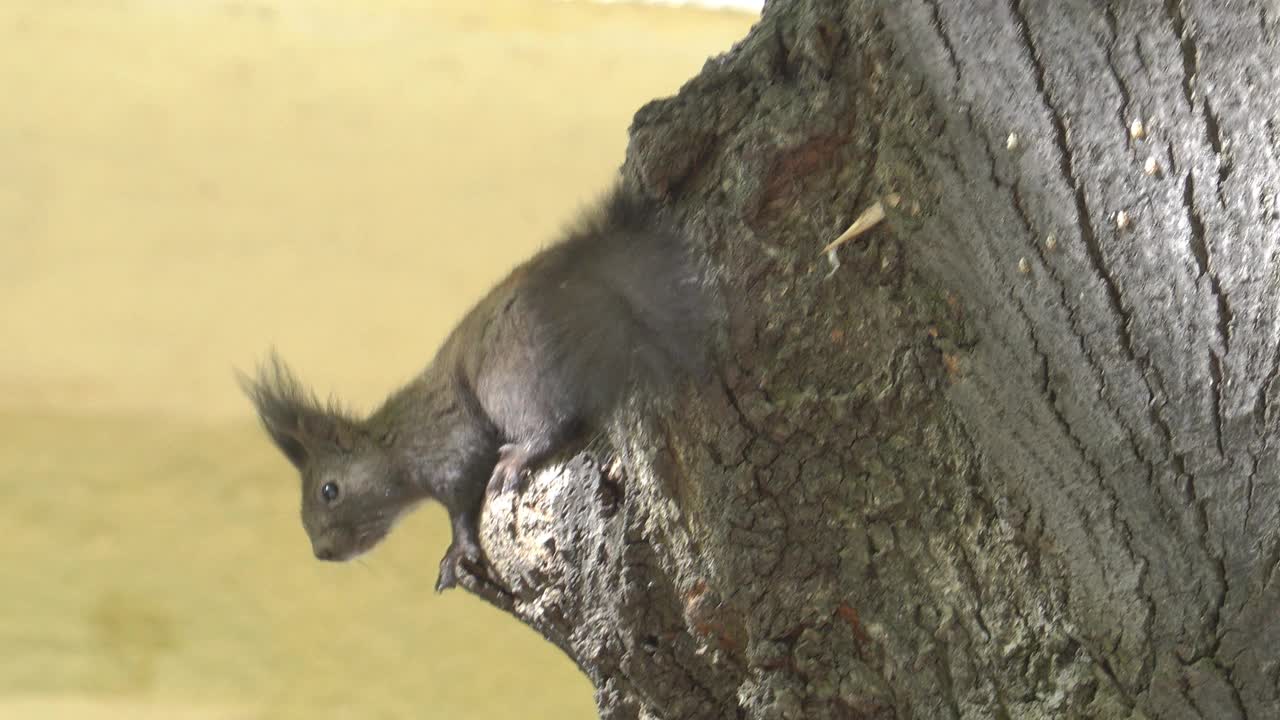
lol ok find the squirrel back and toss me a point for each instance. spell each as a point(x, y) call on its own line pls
point(626, 246)
point(617, 303)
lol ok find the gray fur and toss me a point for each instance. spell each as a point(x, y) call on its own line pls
point(545, 355)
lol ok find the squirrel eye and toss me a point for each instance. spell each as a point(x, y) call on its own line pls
point(329, 492)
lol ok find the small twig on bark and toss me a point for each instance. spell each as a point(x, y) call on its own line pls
point(867, 220)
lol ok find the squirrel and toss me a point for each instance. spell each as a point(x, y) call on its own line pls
point(617, 305)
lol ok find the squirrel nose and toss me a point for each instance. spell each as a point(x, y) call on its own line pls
point(325, 552)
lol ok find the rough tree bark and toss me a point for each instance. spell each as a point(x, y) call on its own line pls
point(1017, 456)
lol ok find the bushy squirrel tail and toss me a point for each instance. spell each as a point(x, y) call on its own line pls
point(652, 265)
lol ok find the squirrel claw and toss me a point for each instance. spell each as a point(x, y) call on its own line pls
point(448, 576)
point(508, 472)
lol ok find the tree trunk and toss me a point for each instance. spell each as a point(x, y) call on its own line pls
point(1016, 456)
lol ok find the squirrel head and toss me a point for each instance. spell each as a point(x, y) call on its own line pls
point(352, 490)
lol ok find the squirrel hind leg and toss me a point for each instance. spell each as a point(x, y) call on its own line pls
point(517, 459)
point(514, 463)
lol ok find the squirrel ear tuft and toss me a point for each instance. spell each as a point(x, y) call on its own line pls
point(292, 415)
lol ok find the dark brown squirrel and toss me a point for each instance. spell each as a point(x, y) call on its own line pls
point(617, 305)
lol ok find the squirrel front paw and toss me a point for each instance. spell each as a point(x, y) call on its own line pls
point(460, 557)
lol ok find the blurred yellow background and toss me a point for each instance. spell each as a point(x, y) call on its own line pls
point(184, 183)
